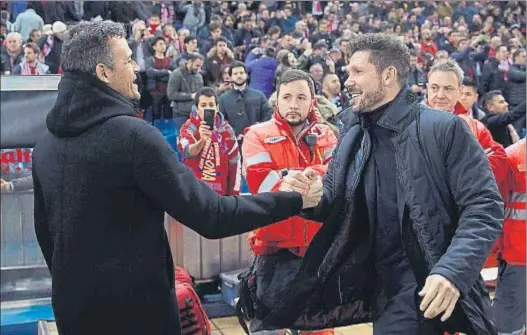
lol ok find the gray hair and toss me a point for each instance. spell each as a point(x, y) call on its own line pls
point(385, 51)
point(87, 45)
point(448, 66)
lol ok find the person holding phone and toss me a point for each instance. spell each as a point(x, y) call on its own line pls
point(209, 147)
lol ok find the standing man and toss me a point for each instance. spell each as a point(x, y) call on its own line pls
point(104, 178)
point(509, 302)
point(293, 140)
point(500, 120)
point(243, 106)
point(407, 227)
point(183, 84)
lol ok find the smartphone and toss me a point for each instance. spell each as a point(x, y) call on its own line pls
point(208, 117)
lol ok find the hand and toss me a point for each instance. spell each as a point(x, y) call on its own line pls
point(514, 134)
point(416, 89)
point(204, 131)
point(439, 296)
point(313, 196)
point(296, 181)
point(225, 86)
point(5, 186)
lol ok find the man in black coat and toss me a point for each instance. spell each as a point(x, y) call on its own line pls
point(407, 222)
point(103, 180)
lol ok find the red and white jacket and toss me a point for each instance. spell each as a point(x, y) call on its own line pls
point(218, 164)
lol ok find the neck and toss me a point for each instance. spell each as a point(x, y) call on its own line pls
point(330, 95)
point(32, 63)
point(160, 55)
point(240, 87)
point(297, 129)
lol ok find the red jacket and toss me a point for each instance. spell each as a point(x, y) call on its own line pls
point(515, 207)
point(218, 164)
point(269, 150)
point(429, 48)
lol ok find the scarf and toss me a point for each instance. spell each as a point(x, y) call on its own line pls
point(26, 69)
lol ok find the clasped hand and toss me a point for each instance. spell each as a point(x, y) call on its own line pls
point(308, 183)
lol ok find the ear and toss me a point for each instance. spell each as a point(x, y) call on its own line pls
point(390, 75)
point(101, 72)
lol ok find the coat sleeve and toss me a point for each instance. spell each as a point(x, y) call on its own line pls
point(153, 73)
point(235, 173)
point(174, 88)
point(173, 187)
point(497, 120)
point(479, 205)
point(42, 232)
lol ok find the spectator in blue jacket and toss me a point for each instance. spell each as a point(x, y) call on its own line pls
point(262, 65)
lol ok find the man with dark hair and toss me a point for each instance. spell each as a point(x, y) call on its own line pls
point(416, 76)
point(219, 57)
point(103, 180)
point(212, 154)
point(469, 99)
point(261, 65)
point(499, 119)
point(243, 106)
point(406, 228)
point(183, 84)
point(30, 66)
point(294, 139)
point(191, 46)
point(516, 88)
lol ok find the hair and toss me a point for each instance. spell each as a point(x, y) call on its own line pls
point(33, 46)
point(221, 39)
point(15, 35)
point(88, 44)
point(192, 57)
point(413, 53)
point(385, 51)
point(517, 53)
point(236, 64)
point(488, 97)
point(157, 39)
point(273, 30)
point(189, 39)
point(214, 26)
point(469, 82)
point(291, 75)
point(206, 92)
point(270, 52)
point(448, 66)
point(33, 31)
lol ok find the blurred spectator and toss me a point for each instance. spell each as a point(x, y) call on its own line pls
point(470, 60)
point(172, 41)
point(286, 60)
point(499, 120)
point(182, 34)
point(329, 113)
point(5, 18)
point(219, 57)
point(225, 83)
point(317, 55)
point(261, 64)
point(123, 11)
point(191, 46)
point(212, 154)
point(3, 32)
point(204, 33)
point(246, 34)
point(317, 73)
point(51, 46)
point(158, 70)
point(516, 88)
point(13, 52)
point(215, 34)
point(243, 106)
point(92, 9)
point(331, 89)
point(469, 99)
point(322, 33)
point(27, 21)
point(427, 44)
point(154, 25)
point(30, 66)
point(416, 76)
point(194, 15)
point(34, 35)
point(495, 71)
point(228, 28)
point(183, 84)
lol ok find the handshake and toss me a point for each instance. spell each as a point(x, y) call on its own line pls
point(308, 183)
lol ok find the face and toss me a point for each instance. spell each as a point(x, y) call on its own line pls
point(228, 22)
point(332, 84)
point(364, 83)
point(221, 48)
point(425, 34)
point(170, 32)
point(206, 103)
point(239, 76)
point(183, 33)
point(154, 21)
point(287, 12)
point(498, 105)
point(443, 90)
point(13, 44)
point(502, 53)
point(469, 96)
point(3, 30)
point(462, 45)
point(292, 59)
point(317, 72)
point(122, 75)
point(29, 55)
point(195, 66)
point(323, 27)
point(294, 102)
point(521, 58)
point(413, 61)
point(160, 46)
point(192, 46)
point(36, 35)
point(215, 34)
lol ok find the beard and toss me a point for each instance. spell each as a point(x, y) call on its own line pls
point(296, 123)
point(370, 99)
point(240, 82)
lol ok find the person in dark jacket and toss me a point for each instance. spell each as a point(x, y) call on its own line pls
point(516, 88)
point(243, 106)
point(103, 179)
point(261, 64)
point(499, 120)
point(407, 226)
point(494, 76)
point(468, 58)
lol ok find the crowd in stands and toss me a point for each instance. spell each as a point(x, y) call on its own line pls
point(240, 48)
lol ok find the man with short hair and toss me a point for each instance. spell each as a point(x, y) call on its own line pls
point(191, 46)
point(494, 73)
point(212, 154)
point(331, 90)
point(30, 66)
point(183, 84)
point(516, 85)
point(407, 227)
point(293, 140)
point(243, 106)
point(218, 58)
point(499, 119)
point(469, 99)
point(103, 180)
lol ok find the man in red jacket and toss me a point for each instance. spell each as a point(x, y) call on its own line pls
point(212, 154)
point(444, 90)
point(509, 302)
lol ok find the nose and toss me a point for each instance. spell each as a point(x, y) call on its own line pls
point(135, 66)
